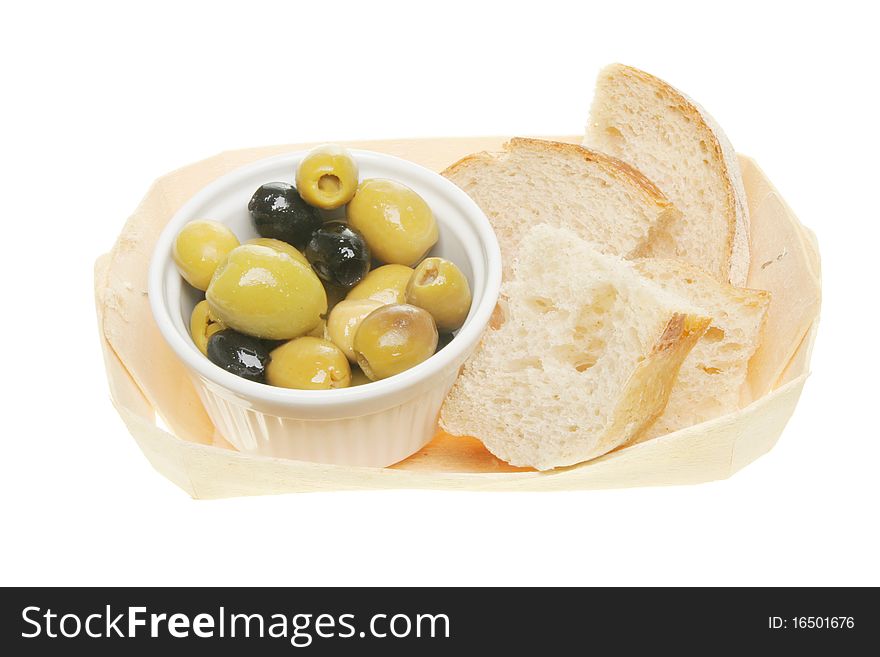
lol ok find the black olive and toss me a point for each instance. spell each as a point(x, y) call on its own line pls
point(339, 254)
point(279, 212)
point(241, 354)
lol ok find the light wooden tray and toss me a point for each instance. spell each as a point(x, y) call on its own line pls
point(155, 398)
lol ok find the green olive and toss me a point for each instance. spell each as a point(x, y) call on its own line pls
point(386, 284)
point(199, 248)
point(282, 246)
point(396, 222)
point(344, 320)
point(327, 177)
point(266, 293)
point(394, 338)
point(439, 287)
point(202, 326)
point(308, 364)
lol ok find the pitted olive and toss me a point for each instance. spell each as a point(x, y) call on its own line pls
point(327, 177)
point(394, 338)
point(440, 287)
point(344, 320)
point(308, 364)
point(396, 222)
point(199, 248)
point(266, 293)
point(386, 284)
point(278, 245)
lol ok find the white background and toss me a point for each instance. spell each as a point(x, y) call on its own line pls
point(99, 99)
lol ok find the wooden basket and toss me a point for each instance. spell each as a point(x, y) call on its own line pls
point(155, 398)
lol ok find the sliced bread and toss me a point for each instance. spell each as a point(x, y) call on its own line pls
point(532, 181)
point(712, 379)
point(580, 358)
point(644, 121)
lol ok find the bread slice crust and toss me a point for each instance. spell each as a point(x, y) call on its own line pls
point(624, 172)
point(648, 390)
point(733, 263)
point(615, 229)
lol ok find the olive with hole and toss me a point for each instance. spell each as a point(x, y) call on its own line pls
point(396, 222)
point(394, 338)
point(339, 254)
point(279, 212)
point(202, 326)
point(309, 364)
point(278, 245)
point(199, 248)
point(266, 293)
point(386, 284)
point(327, 177)
point(240, 354)
point(440, 287)
point(344, 320)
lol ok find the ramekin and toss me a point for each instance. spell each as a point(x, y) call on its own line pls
point(376, 424)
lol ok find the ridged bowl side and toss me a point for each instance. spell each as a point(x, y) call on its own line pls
point(374, 440)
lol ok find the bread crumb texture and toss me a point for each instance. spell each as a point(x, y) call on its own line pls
point(579, 358)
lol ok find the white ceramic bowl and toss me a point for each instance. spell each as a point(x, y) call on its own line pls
point(376, 424)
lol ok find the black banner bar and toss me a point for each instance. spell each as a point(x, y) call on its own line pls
point(107, 621)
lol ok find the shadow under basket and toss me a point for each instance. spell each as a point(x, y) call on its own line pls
point(153, 393)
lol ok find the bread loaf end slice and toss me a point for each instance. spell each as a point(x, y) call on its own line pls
point(579, 359)
point(671, 139)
